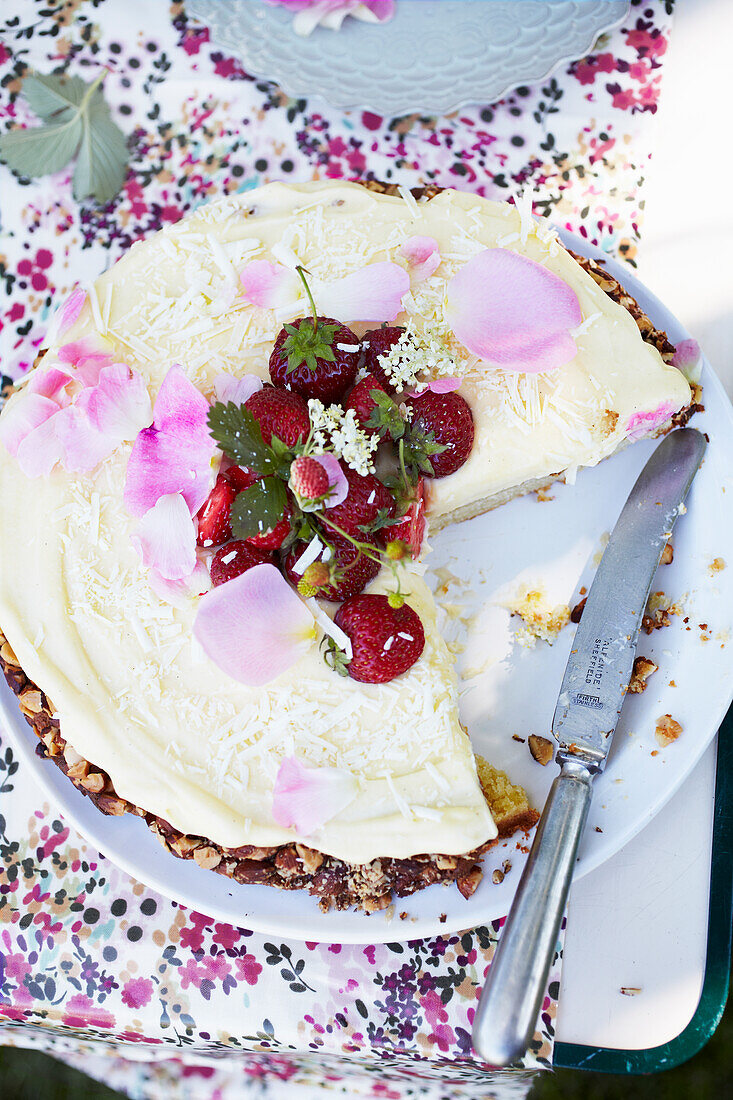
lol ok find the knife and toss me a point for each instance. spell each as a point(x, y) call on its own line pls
point(587, 712)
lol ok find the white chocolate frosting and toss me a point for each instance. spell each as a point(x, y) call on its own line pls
point(134, 692)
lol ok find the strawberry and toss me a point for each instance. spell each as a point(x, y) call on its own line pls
point(385, 640)
point(411, 528)
point(316, 357)
point(214, 517)
point(235, 558)
point(367, 497)
point(353, 569)
point(275, 537)
point(240, 477)
point(360, 399)
point(445, 419)
point(280, 413)
point(379, 341)
point(308, 478)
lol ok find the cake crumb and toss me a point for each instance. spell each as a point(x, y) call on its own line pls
point(673, 683)
point(583, 590)
point(659, 610)
point(716, 566)
point(667, 730)
point(543, 496)
point(541, 621)
point(667, 555)
point(541, 749)
point(630, 990)
point(443, 918)
point(516, 737)
point(643, 669)
point(599, 829)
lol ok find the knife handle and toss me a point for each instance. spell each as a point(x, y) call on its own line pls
point(510, 1001)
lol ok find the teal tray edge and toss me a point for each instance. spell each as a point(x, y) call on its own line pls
point(718, 958)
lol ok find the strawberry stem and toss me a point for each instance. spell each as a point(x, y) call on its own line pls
point(301, 272)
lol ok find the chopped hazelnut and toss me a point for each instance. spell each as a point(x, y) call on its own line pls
point(577, 613)
point(667, 555)
point(643, 669)
point(667, 730)
point(541, 749)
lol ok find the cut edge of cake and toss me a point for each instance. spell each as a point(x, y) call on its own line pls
point(292, 866)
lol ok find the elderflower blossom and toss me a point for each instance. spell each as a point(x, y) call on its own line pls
point(416, 354)
point(339, 432)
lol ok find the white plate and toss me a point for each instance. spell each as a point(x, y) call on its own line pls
point(553, 543)
point(433, 56)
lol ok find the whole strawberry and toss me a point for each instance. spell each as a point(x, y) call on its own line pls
point(316, 357)
point(360, 399)
point(214, 517)
point(376, 342)
point(308, 480)
point(367, 497)
point(351, 569)
point(385, 640)
point(280, 413)
point(443, 421)
point(235, 558)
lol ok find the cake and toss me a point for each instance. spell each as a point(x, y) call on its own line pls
point(201, 554)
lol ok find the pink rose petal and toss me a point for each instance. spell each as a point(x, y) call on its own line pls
point(175, 454)
point(66, 315)
point(438, 385)
point(688, 359)
point(254, 627)
point(52, 383)
point(338, 485)
point(373, 293)
point(239, 390)
point(513, 312)
point(165, 538)
point(83, 447)
point(423, 257)
point(25, 413)
point(180, 593)
point(86, 360)
point(119, 405)
point(41, 449)
point(643, 423)
point(306, 798)
point(269, 285)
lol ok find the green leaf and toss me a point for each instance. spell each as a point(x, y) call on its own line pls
point(102, 162)
point(307, 343)
point(386, 417)
point(79, 122)
point(238, 434)
point(259, 508)
point(49, 95)
point(41, 150)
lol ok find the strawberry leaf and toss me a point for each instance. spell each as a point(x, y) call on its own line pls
point(385, 418)
point(259, 508)
point(78, 122)
point(307, 342)
point(239, 435)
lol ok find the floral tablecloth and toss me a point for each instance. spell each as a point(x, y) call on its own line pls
point(94, 967)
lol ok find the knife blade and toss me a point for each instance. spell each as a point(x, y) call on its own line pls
point(587, 712)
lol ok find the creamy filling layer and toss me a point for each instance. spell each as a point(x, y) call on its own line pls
point(134, 692)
